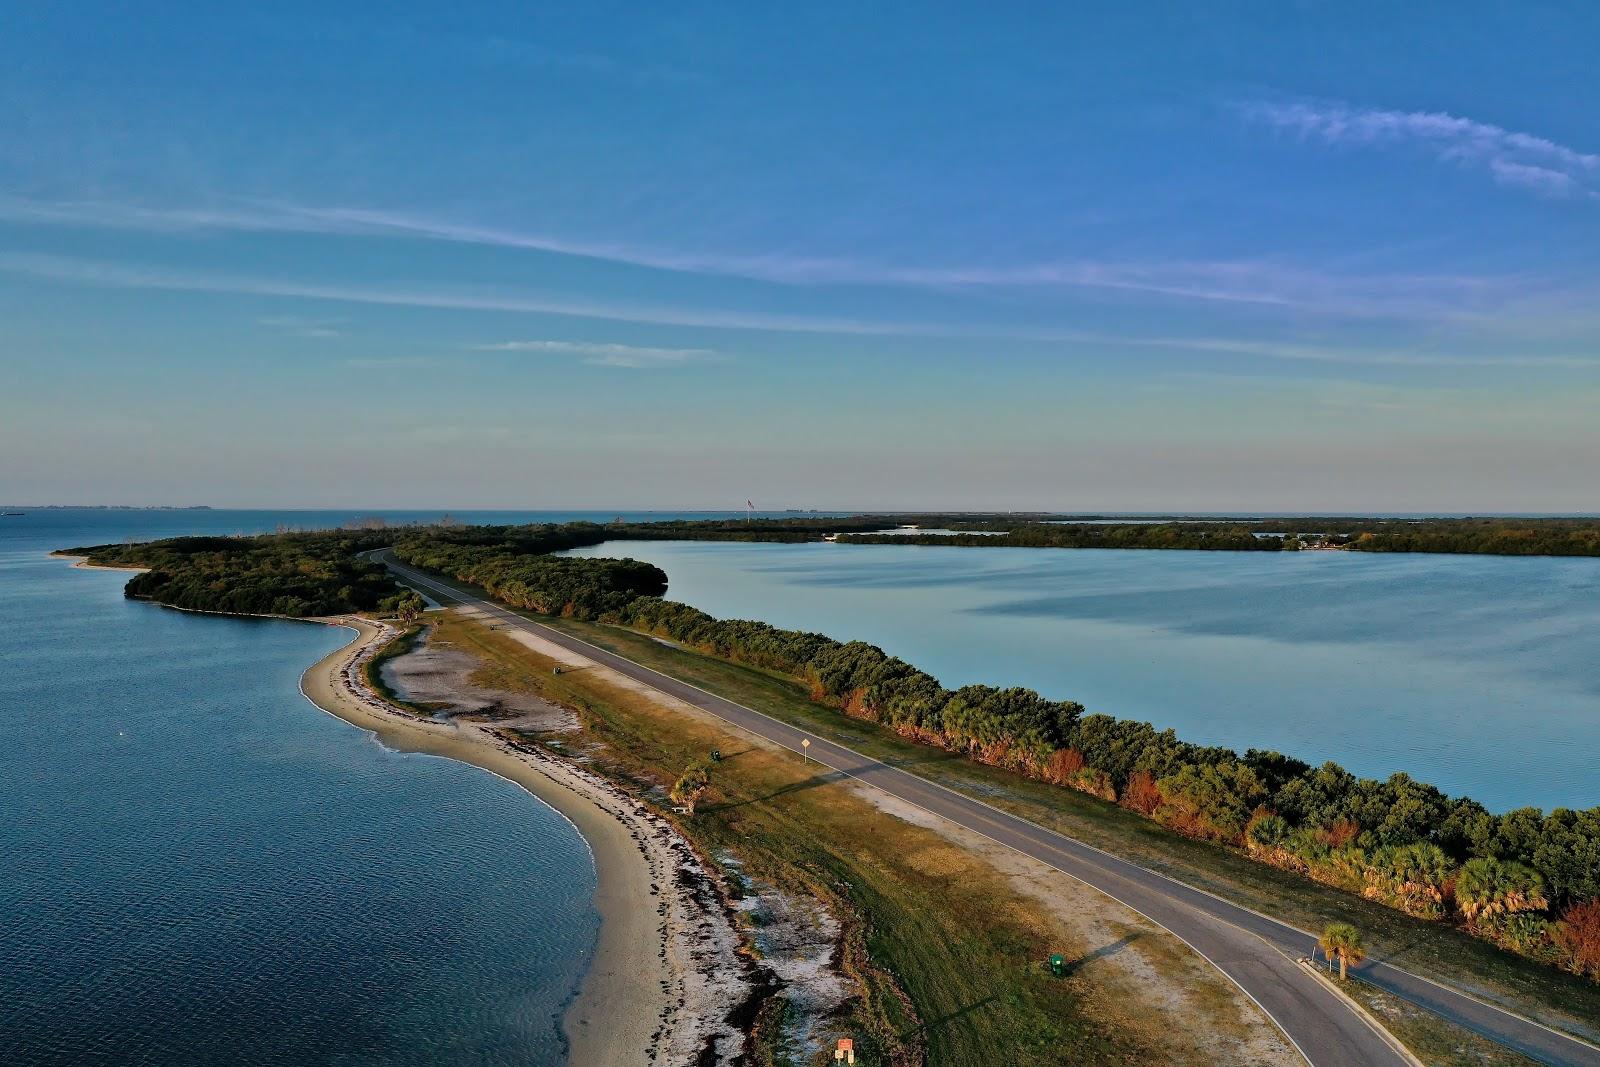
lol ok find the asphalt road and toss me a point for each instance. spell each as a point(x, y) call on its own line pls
point(1258, 953)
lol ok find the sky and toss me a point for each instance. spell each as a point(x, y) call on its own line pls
point(1273, 257)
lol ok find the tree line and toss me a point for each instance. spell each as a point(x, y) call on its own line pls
point(1492, 536)
point(1526, 880)
point(527, 578)
point(1488, 537)
point(292, 574)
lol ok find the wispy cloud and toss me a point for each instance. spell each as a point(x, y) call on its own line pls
point(1262, 283)
point(299, 327)
point(258, 216)
point(97, 272)
point(1509, 157)
point(387, 362)
point(1372, 356)
point(91, 272)
point(607, 355)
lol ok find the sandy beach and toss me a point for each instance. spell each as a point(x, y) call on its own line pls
point(84, 564)
point(667, 969)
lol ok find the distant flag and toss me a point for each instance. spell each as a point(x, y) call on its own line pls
point(749, 509)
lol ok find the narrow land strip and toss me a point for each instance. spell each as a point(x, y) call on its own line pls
point(1254, 950)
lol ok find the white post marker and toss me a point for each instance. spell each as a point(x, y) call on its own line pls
point(805, 749)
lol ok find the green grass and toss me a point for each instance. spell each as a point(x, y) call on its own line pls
point(1430, 949)
point(947, 957)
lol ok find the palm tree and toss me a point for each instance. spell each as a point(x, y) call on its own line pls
point(1412, 876)
point(1342, 941)
point(1423, 864)
point(691, 786)
point(1267, 832)
point(1487, 887)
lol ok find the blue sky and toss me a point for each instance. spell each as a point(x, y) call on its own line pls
point(1256, 256)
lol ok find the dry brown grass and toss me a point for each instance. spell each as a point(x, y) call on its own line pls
point(946, 955)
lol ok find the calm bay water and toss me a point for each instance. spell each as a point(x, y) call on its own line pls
point(1474, 673)
point(198, 866)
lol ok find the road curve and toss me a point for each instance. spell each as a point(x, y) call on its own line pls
point(1256, 952)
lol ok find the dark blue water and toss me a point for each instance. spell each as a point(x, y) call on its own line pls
point(198, 866)
point(1475, 673)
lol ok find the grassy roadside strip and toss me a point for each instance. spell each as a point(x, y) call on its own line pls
point(1430, 1039)
point(372, 670)
point(1429, 949)
point(944, 954)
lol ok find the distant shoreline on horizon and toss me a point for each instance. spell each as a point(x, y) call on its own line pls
point(115, 507)
point(1100, 515)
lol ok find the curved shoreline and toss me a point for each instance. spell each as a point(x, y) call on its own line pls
point(668, 971)
point(623, 1010)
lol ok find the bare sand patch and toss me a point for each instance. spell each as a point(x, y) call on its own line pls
point(84, 564)
point(799, 941)
point(434, 675)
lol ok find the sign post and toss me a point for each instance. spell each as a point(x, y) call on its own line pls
point(845, 1052)
point(805, 749)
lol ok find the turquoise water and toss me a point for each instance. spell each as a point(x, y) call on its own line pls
point(198, 866)
point(1475, 673)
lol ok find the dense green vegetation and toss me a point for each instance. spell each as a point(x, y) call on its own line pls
point(1496, 536)
point(513, 564)
point(1486, 536)
point(294, 574)
point(1489, 536)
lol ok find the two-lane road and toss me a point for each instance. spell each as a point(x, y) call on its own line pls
point(1258, 953)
